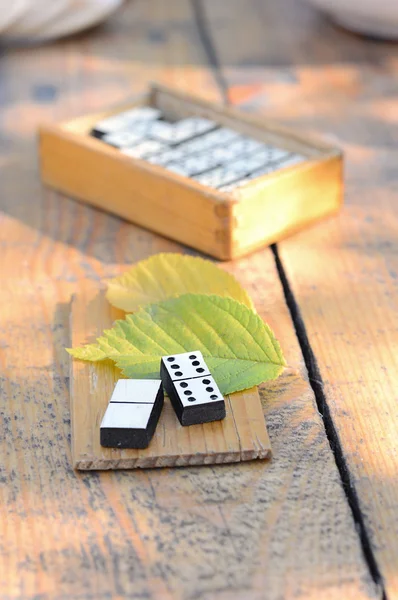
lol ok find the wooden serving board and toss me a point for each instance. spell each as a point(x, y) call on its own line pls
point(242, 435)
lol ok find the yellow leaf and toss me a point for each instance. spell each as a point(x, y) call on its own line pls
point(171, 275)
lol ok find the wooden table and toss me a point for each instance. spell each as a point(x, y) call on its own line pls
point(320, 521)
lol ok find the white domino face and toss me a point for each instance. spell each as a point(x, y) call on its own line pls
point(186, 365)
point(197, 147)
point(124, 120)
point(198, 144)
point(162, 131)
point(173, 155)
point(144, 149)
point(208, 141)
point(223, 135)
point(188, 149)
point(255, 162)
point(217, 177)
point(176, 133)
point(140, 391)
point(188, 128)
point(122, 139)
point(202, 390)
point(127, 416)
point(194, 164)
point(200, 162)
point(242, 166)
point(223, 154)
point(131, 404)
point(245, 145)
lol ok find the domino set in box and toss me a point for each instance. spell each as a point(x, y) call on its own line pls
point(216, 179)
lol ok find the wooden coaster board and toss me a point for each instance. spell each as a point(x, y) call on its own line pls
point(241, 436)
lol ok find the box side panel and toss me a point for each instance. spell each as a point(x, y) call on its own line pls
point(274, 207)
point(88, 170)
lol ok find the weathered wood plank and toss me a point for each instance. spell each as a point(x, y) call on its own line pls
point(343, 273)
point(282, 530)
point(351, 322)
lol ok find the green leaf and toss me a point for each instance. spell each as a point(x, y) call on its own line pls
point(170, 275)
point(239, 348)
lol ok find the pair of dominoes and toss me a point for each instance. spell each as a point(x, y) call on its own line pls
point(136, 404)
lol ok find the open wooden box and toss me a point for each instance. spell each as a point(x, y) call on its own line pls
point(225, 225)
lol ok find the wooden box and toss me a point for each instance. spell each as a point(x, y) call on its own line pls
point(224, 225)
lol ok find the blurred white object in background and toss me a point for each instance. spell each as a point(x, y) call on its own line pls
point(42, 20)
point(376, 18)
point(10, 11)
point(37, 14)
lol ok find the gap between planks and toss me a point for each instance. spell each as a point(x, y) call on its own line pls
point(316, 382)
